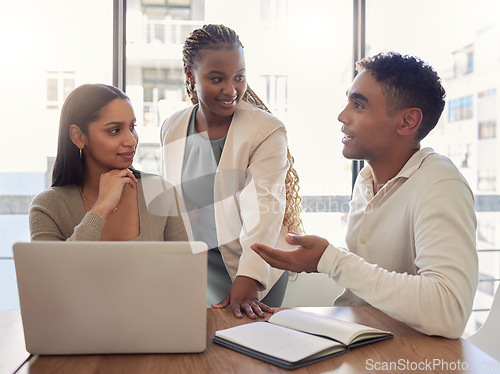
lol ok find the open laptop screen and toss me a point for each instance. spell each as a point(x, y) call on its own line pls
point(112, 297)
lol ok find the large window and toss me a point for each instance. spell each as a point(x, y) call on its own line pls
point(299, 61)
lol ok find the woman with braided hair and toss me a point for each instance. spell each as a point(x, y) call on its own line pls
point(230, 157)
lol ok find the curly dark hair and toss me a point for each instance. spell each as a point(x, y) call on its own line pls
point(408, 82)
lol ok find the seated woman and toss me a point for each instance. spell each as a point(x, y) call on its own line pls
point(95, 193)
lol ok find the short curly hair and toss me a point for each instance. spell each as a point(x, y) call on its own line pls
point(408, 82)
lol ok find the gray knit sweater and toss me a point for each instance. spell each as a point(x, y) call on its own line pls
point(58, 213)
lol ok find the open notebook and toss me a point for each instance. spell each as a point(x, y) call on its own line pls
point(292, 338)
point(112, 297)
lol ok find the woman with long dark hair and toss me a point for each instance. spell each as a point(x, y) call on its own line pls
point(95, 193)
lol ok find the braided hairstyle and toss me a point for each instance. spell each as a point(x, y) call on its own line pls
point(215, 37)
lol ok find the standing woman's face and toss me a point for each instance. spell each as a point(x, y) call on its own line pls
point(111, 141)
point(219, 77)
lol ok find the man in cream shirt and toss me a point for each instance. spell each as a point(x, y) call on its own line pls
point(411, 249)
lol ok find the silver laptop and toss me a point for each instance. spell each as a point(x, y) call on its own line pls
point(112, 297)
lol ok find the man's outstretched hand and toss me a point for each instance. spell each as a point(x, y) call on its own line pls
point(305, 257)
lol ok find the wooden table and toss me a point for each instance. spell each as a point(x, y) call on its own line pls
point(408, 352)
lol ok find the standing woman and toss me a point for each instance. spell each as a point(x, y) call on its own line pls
point(230, 157)
point(95, 194)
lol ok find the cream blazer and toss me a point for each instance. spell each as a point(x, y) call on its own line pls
point(249, 189)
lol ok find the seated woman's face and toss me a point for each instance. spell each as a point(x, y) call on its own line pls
point(112, 139)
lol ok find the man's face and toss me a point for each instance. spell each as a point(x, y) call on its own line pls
point(369, 132)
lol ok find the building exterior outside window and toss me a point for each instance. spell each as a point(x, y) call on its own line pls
point(59, 85)
point(460, 109)
point(486, 113)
